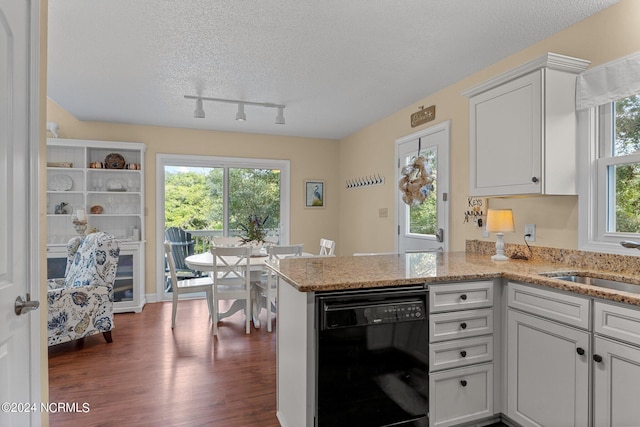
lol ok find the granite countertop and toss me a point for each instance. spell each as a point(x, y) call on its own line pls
point(359, 272)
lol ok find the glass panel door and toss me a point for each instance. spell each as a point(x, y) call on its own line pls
point(423, 163)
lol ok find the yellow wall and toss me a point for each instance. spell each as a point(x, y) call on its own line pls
point(600, 38)
point(310, 158)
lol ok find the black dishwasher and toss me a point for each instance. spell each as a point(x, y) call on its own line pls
point(373, 358)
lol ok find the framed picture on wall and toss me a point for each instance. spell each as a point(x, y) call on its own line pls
point(314, 193)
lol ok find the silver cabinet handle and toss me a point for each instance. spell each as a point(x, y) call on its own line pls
point(22, 306)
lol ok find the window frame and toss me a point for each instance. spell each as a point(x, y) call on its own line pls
point(595, 140)
point(163, 160)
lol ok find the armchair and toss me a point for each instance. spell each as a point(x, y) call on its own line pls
point(81, 304)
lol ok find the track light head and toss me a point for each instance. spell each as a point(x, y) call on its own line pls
point(280, 116)
point(240, 115)
point(199, 111)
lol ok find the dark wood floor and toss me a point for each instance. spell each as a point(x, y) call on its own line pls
point(153, 376)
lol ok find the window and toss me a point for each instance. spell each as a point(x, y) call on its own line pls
point(213, 196)
point(608, 100)
point(619, 165)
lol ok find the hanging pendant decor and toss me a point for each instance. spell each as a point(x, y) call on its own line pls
point(417, 182)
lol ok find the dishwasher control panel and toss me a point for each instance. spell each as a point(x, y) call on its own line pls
point(368, 313)
point(394, 312)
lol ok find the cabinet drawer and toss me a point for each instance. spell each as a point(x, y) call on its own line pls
point(460, 296)
point(460, 395)
point(618, 322)
point(562, 307)
point(463, 324)
point(457, 353)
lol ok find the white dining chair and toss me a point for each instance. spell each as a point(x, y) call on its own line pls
point(226, 241)
point(231, 280)
point(327, 247)
point(186, 286)
point(268, 287)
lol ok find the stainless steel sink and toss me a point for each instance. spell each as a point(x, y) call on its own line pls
point(595, 281)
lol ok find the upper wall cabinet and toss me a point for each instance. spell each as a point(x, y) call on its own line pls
point(522, 129)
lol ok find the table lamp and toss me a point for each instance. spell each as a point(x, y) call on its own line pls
point(500, 221)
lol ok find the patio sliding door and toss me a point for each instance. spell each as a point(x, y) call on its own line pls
point(214, 196)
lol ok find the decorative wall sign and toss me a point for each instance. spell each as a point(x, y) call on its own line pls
point(423, 116)
point(476, 210)
point(314, 193)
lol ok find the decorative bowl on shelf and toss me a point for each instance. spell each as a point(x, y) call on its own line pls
point(60, 183)
point(114, 161)
point(96, 209)
point(116, 184)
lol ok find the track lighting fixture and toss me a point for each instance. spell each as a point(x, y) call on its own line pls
point(280, 116)
point(240, 115)
point(199, 111)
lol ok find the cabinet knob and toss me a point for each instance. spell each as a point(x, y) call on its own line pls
point(463, 297)
point(463, 353)
point(597, 358)
point(534, 179)
point(463, 383)
point(463, 325)
point(580, 351)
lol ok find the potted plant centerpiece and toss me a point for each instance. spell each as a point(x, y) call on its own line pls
point(255, 232)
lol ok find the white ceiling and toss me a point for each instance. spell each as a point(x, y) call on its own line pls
point(337, 65)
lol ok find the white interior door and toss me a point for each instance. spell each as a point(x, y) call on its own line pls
point(19, 334)
point(423, 226)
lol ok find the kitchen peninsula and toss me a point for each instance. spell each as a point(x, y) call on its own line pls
point(482, 315)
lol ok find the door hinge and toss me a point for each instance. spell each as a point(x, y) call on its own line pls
point(444, 197)
point(398, 230)
point(398, 162)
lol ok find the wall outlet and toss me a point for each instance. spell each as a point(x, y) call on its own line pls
point(531, 230)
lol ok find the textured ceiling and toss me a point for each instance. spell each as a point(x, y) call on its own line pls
point(337, 65)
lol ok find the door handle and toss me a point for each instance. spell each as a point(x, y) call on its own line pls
point(22, 306)
point(440, 235)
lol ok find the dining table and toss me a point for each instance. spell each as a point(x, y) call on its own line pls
point(204, 262)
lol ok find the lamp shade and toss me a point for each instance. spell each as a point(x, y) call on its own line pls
point(500, 220)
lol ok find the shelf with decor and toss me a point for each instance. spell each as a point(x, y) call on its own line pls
point(102, 181)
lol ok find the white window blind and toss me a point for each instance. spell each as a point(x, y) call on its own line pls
point(608, 82)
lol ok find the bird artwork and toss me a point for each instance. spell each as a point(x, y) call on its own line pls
point(317, 197)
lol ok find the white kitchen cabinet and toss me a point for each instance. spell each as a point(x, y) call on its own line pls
point(547, 372)
point(460, 395)
point(522, 137)
point(461, 377)
point(113, 200)
point(616, 371)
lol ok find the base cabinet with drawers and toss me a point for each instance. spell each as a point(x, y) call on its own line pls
point(460, 352)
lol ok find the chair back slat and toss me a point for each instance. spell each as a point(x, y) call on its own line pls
point(327, 247)
point(182, 246)
point(231, 262)
point(279, 252)
point(226, 241)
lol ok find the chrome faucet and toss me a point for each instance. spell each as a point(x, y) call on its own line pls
point(630, 244)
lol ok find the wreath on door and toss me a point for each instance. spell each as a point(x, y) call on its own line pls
point(417, 181)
